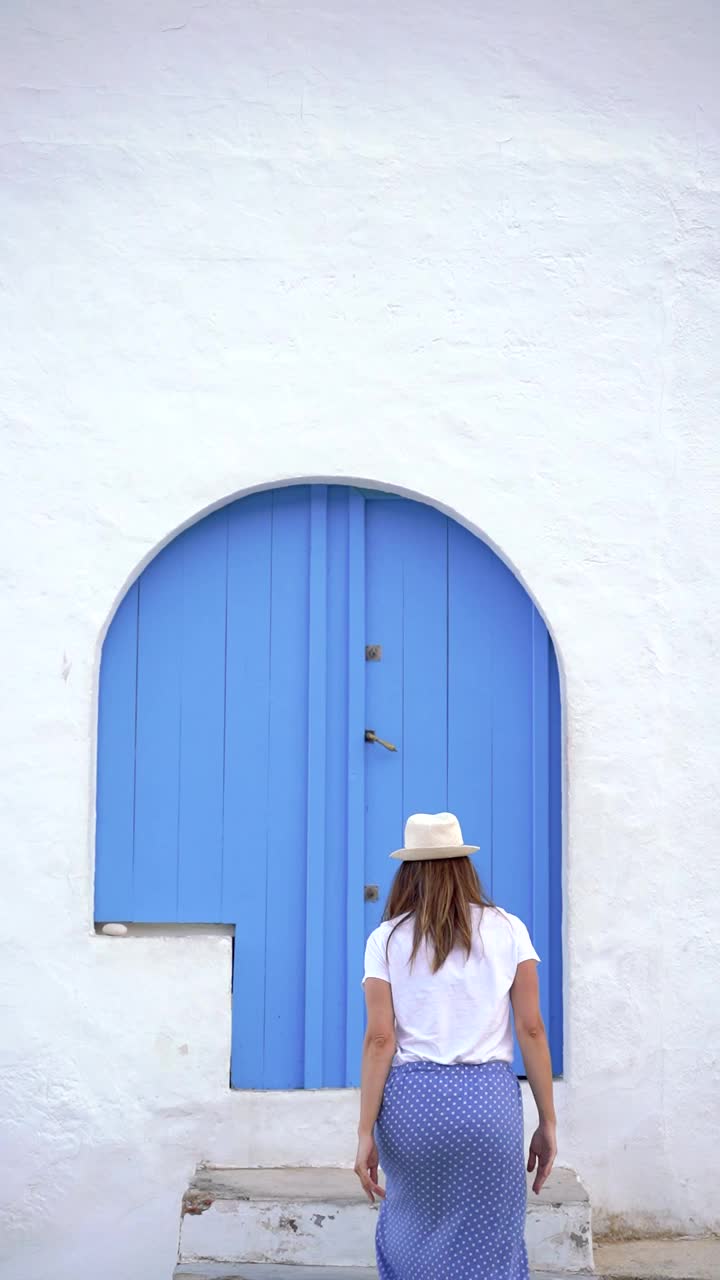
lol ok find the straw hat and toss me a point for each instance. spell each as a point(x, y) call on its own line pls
point(433, 835)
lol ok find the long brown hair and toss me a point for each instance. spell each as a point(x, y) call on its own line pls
point(438, 892)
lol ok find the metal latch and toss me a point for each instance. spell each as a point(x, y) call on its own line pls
point(371, 736)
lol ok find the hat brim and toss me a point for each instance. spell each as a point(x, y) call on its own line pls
point(426, 855)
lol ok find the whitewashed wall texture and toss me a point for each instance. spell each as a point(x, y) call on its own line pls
point(465, 251)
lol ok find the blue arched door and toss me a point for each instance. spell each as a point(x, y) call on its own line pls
point(236, 785)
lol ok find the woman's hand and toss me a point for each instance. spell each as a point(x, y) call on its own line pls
point(366, 1167)
point(543, 1149)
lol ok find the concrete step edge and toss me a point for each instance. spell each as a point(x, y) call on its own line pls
point(298, 1184)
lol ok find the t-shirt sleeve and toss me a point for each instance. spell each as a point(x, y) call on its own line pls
point(376, 965)
point(524, 949)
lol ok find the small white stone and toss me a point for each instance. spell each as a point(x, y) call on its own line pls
point(116, 930)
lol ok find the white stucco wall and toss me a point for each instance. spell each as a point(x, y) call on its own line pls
point(469, 251)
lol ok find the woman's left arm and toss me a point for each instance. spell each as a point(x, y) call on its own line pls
point(377, 1056)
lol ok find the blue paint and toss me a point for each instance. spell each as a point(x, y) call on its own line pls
point(234, 781)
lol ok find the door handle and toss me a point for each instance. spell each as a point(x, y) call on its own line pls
point(371, 736)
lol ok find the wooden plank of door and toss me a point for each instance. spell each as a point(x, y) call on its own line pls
point(335, 811)
point(354, 760)
point(116, 765)
point(512, 745)
point(539, 923)
point(287, 800)
point(512, 778)
point(555, 1030)
point(316, 830)
point(470, 682)
point(202, 719)
point(246, 777)
point(384, 692)
point(158, 736)
point(423, 535)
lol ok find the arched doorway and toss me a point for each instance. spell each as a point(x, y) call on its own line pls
point(236, 783)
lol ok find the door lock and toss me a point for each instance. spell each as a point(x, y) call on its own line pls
point(372, 892)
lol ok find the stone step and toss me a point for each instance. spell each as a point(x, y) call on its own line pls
point(285, 1271)
point(268, 1271)
point(321, 1218)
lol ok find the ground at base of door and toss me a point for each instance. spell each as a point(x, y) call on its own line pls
point(679, 1258)
point(673, 1258)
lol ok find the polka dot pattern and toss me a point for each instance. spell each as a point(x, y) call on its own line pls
point(450, 1142)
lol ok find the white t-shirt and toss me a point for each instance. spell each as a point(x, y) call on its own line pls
point(462, 1012)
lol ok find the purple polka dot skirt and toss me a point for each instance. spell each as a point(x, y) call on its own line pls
point(450, 1142)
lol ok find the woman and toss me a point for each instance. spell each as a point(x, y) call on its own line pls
point(438, 1090)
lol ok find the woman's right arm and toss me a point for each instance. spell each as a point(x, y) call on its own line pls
point(530, 1031)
